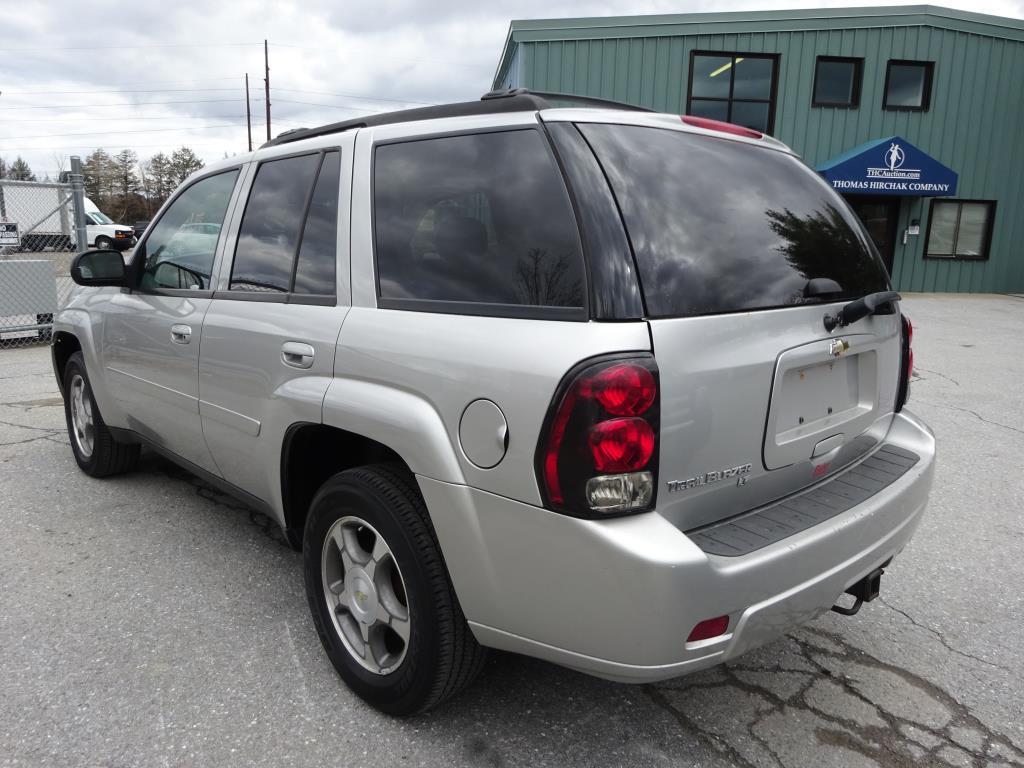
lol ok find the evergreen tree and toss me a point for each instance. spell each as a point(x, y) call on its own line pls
point(19, 171)
point(125, 180)
point(183, 164)
point(160, 183)
point(99, 176)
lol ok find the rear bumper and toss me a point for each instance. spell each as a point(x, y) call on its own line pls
point(618, 598)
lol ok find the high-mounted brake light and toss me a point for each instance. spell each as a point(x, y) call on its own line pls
point(717, 125)
point(598, 452)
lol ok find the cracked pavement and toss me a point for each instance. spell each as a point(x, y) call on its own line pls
point(151, 620)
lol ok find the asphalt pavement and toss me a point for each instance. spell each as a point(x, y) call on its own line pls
point(148, 620)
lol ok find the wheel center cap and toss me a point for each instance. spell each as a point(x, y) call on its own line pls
point(362, 595)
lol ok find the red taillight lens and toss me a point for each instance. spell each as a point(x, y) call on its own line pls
point(624, 390)
point(709, 628)
point(717, 125)
point(598, 452)
point(621, 445)
point(906, 362)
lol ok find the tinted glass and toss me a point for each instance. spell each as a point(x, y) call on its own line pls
point(721, 226)
point(270, 226)
point(970, 237)
point(318, 252)
point(477, 218)
point(180, 247)
point(943, 229)
point(752, 78)
point(906, 85)
point(711, 77)
point(834, 82)
point(752, 114)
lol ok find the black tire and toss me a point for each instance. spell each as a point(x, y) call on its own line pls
point(104, 243)
point(442, 657)
point(108, 457)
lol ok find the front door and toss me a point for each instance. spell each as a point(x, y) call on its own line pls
point(151, 334)
point(879, 215)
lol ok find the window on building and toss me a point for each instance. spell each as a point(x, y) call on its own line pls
point(837, 81)
point(960, 229)
point(908, 85)
point(482, 218)
point(737, 88)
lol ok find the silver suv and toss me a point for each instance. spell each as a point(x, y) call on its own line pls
point(619, 390)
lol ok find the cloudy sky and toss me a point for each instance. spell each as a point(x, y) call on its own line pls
point(152, 75)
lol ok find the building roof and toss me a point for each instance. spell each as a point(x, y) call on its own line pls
point(733, 22)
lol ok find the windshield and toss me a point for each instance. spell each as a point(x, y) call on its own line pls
point(722, 226)
point(100, 218)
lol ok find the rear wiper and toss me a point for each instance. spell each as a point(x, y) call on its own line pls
point(860, 308)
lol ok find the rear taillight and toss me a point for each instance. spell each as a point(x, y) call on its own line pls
point(906, 362)
point(598, 452)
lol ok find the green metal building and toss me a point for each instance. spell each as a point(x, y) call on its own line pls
point(915, 114)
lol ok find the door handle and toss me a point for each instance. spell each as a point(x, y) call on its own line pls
point(181, 334)
point(297, 354)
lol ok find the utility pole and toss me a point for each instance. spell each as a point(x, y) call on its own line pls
point(266, 83)
point(248, 111)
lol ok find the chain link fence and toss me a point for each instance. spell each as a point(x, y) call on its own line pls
point(38, 239)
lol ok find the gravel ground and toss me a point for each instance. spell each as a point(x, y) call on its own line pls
point(149, 620)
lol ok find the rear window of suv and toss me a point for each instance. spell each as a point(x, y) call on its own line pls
point(479, 220)
point(721, 226)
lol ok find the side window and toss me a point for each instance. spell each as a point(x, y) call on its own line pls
point(180, 247)
point(270, 227)
point(318, 251)
point(481, 218)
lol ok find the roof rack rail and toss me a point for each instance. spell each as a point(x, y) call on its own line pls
point(493, 102)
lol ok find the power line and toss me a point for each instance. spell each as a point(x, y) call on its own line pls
point(116, 133)
point(105, 106)
point(61, 48)
point(396, 58)
point(354, 96)
point(122, 90)
point(169, 116)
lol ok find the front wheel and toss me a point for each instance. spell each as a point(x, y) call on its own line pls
point(94, 447)
point(380, 594)
point(104, 243)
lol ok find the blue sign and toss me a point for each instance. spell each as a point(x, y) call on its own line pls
point(890, 166)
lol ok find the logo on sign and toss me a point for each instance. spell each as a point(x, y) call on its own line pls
point(894, 159)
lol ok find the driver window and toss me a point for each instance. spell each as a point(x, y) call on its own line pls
point(179, 249)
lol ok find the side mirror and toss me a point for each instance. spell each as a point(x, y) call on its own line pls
point(98, 268)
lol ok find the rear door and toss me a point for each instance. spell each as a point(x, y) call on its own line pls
point(269, 335)
point(758, 400)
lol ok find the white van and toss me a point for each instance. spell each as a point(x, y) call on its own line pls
point(103, 233)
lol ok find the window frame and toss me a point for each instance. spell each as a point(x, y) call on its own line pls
point(481, 309)
point(285, 297)
point(139, 254)
point(986, 239)
point(772, 100)
point(855, 91)
point(926, 92)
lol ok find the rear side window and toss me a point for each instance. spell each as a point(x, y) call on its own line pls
point(721, 226)
point(318, 254)
point(481, 218)
point(270, 226)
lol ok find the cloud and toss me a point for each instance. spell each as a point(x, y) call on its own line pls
point(155, 75)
